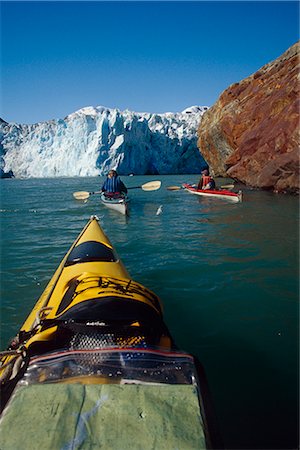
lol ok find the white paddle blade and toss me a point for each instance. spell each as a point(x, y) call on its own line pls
point(81, 195)
point(227, 186)
point(174, 188)
point(151, 186)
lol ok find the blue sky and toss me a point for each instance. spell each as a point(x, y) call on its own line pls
point(156, 56)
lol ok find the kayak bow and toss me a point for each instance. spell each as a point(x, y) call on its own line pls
point(95, 355)
point(222, 193)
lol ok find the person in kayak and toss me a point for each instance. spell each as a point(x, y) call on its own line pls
point(206, 181)
point(113, 184)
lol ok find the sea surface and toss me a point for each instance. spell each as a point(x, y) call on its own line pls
point(227, 274)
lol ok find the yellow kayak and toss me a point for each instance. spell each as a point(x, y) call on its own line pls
point(94, 365)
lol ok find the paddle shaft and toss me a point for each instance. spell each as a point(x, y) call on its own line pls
point(150, 186)
point(179, 188)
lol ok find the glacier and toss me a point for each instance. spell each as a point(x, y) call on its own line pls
point(93, 140)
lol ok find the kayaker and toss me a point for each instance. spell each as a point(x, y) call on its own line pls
point(113, 184)
point(206, 181)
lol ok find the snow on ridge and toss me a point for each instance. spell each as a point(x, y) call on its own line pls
point(92, 140)
point(195, 110)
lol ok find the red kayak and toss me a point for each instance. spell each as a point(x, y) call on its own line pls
point(221, 193)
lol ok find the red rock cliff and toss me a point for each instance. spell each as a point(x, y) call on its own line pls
point(252, 132)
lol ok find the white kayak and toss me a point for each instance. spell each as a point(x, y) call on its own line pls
point(117, 202)
point(222, 193)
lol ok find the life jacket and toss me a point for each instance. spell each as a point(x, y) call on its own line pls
point(114, 184)
point(205, 180)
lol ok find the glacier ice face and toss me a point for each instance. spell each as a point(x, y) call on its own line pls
point(93, 140)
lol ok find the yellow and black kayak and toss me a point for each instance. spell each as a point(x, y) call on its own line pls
point(94, 365)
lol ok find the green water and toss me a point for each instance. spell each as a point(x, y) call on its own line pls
point(227, 274)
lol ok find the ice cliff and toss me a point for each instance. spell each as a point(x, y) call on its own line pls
point(93, 140)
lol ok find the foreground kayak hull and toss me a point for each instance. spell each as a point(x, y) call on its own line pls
point(221, 194)
point(119, 204)
point(94, 364)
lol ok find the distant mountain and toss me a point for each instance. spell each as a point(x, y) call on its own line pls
point(93, 140)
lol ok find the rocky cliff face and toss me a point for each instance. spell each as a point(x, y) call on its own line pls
point(252, 132)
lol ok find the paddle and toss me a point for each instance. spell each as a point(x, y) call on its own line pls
point(227, 186)
point(178, 188)
point(84, 195)
point(150, 186)
point(174, 188)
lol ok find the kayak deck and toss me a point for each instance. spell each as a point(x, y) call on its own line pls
point(128, 416)
point(222, 193)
